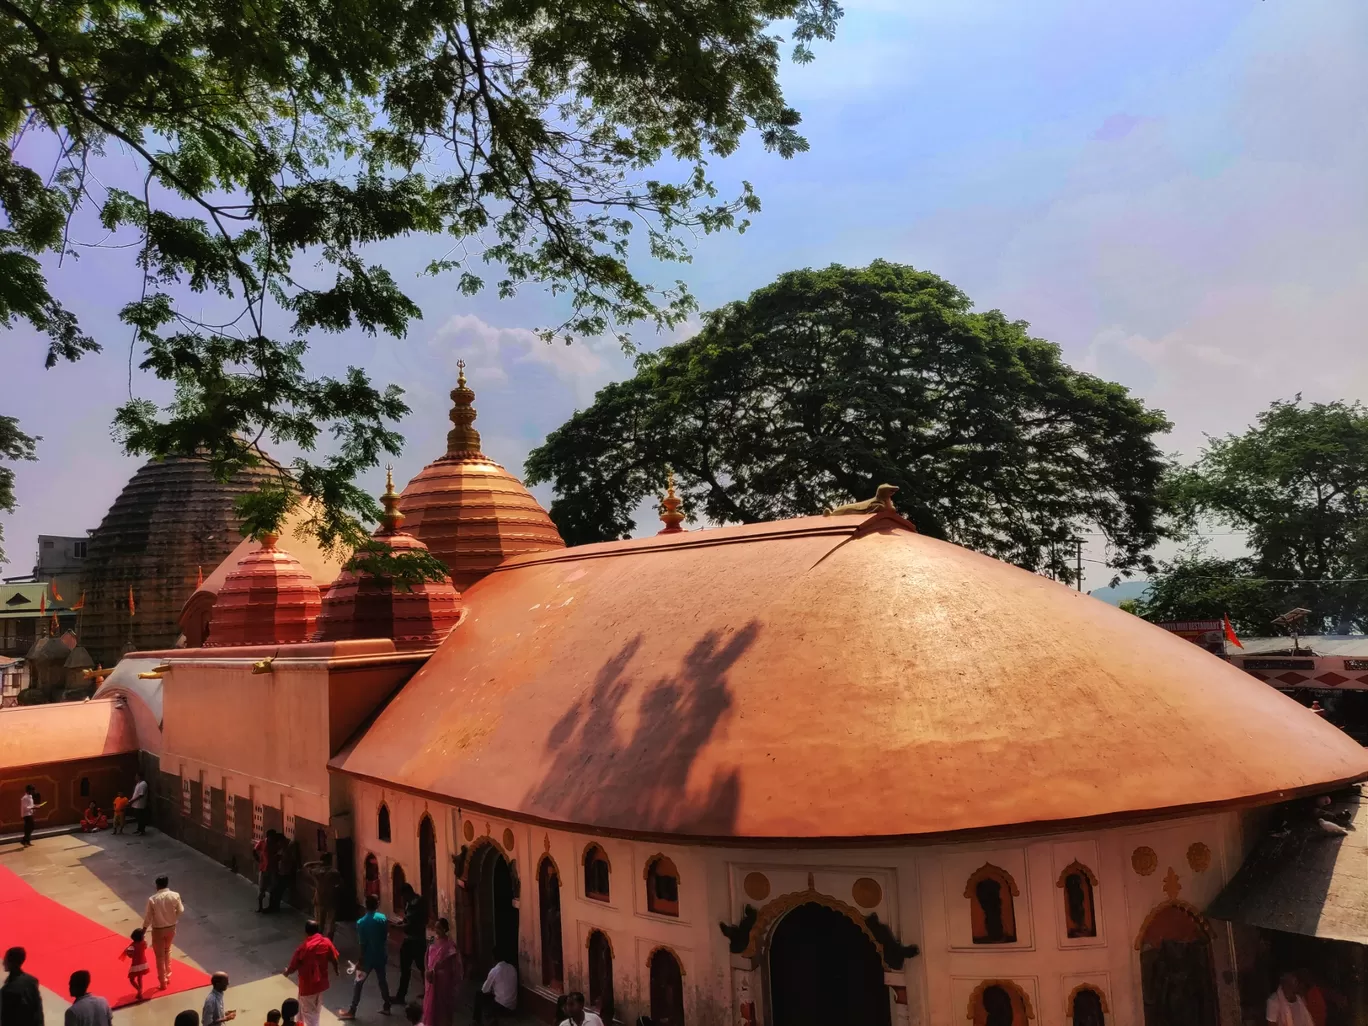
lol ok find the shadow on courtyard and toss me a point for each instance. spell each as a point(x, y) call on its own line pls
point(641, 780)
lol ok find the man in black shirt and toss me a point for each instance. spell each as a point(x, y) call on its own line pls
point(20, 1002)
point(413, 951)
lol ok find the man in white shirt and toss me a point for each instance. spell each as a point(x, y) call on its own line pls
point(163, 913)
point(1285, 1007)
point(499, 993)
point(138, 802)
point(576, 1014)
point(28, 801)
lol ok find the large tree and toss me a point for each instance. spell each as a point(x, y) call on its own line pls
point(1296, 484)
point(267, 131)
point(830, 382)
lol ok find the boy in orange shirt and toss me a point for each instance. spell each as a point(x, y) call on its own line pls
point(120, 807)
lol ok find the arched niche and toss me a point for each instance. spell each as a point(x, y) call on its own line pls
point(986, 1010)
point(992, 895)
point(1078, 883)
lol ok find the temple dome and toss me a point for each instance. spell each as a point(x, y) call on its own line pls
point(171, 519)
point(269, 598)
point(362, 605)
point(471, 513)
point(828, 678)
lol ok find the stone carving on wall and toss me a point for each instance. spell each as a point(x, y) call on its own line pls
point(1144, 861)
point(1199, 857)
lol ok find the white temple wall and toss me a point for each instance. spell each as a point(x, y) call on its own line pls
point(916, 891)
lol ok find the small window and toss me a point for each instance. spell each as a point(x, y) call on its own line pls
point(79, 550)
point(596, 871)
point(999, 1003)
point(1080, 917)
point(1088, 1008)
point(397, 883)
point(85, 787)
point(662, 887)
point(382, 825)
point(992, 912)
point(48, 543)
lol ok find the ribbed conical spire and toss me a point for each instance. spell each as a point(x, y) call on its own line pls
point(462, 439)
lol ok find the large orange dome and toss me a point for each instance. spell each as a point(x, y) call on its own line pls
point(827, 678)
point(470, 512)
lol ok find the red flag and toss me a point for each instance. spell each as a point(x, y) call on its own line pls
point(55, 596)
point(1230, 633)
point(42, 604)
point(80, 603)
point(132, 609)
point(199, 578)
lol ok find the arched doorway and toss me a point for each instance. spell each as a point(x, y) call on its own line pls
point(824, 969)
point(667, 989)
point(601, 975)
point(1177, 974)
point(398, 881)
point(494, 920)
point(427, 866)
point(549, 909)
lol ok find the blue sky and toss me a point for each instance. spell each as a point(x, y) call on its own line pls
point(1173, 192)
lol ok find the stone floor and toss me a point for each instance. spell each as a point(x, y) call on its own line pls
point(107, 878)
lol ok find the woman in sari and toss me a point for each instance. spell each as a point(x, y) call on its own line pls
point(444, 973)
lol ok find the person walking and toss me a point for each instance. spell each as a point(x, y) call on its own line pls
point(311, 960)
point(164, 910)
point(372, 933)
point(86, 1009)
point(327, 886)
point(214, 1014)
point(28, 802)
point(138, 802)
point(20, 1002)
point(265, 850)
point(413, 949)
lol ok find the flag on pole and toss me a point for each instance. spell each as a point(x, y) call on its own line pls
point(42, 604)
point(199, 578)
point(132, 609)
point(80, 603)
point(55, 627)
point(55, 597)
point(1230, 632)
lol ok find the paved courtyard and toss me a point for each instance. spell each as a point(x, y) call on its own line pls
point(107, 878)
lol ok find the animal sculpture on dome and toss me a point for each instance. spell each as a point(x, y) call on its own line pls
point(882, 501)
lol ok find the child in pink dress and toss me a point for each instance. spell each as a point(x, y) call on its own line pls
point(136, 953)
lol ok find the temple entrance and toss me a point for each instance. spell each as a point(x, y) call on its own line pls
point(427, 866)
point(824, 969)
point(548, 894)
point(493, 934)
point(1177, 975)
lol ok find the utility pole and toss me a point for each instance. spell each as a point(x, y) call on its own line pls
point(1078, 554)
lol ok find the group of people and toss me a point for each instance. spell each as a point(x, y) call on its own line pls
point(93, 818)
point(21, 1004)
point(1300, 1001)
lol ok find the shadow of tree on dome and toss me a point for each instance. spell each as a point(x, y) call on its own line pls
point(601, 774)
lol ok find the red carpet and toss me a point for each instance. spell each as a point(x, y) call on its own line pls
point(60, 941)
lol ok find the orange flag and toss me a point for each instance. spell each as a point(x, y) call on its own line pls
point(132, 609)
point(42, 604)
point(55, 596)
point(199, 578)
point(1230, 633)
point(80, 603)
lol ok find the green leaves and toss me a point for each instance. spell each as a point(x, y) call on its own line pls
point(14, 445)
point(825, 384)
point(274, 130)
point(1296, 484)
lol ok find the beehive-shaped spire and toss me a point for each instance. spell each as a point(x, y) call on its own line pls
point(469, 511)
point(669, 514)
point(268, 599)
point(362, 605)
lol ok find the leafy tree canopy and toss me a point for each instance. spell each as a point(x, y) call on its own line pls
point(14, 445)
point(269, 130)
point(828, 383)
point(1297, 484)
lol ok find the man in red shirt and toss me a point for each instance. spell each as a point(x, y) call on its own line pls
point(311, 960)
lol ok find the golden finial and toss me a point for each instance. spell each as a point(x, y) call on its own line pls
point(391, 518)
point(462, 439)
point(670, 515)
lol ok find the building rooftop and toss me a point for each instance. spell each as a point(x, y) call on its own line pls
point(826, 678)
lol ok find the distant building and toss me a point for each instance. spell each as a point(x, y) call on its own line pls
point(27, 611)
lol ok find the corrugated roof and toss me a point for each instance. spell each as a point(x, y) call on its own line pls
point(1301, 879)
point(1348, 646)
